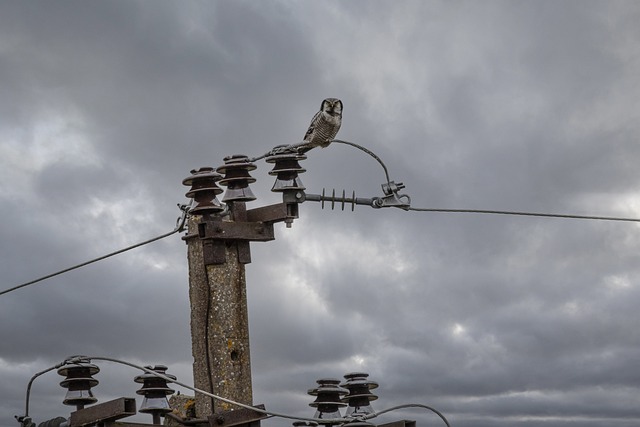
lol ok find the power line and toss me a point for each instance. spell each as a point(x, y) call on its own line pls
point(79, 359)
point(409, 405)
point(179, 227)
point(369, 152)
point(482, 211)
point(295, 147)
point(66, 270)
point(538, 214)
point(185, 209)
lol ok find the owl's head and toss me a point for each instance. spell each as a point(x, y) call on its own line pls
point(332, 106)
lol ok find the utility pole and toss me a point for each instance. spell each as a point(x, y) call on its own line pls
point(218, 239)
point(219, 325)
point(218, 249)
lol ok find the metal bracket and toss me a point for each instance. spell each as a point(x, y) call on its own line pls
point(103, 412)
point(225, 230)
point(239, 417)
point(243, 226)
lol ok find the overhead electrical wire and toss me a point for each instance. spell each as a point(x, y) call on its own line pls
point(343, 420)
point(369, 152)
point(179, 227)
point(516, 213)
point(484, 211)
point(281, 149)
point(33, 378)
point(406, 406)
point(295, 147)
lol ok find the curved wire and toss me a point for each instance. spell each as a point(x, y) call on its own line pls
point(369, 152)
point(475, 211)
point(547, 215)
point(197, 390)
point(79, 359)
point(294, 147)
point(179, 227)
point(410, 405)
point(33, 378)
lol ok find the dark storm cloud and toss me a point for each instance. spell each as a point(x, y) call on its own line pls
point(495, 320)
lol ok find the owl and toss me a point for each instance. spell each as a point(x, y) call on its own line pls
point(324, 125)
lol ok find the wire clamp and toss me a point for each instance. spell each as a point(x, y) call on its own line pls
point(25, 421)
point(392, 197)
point(182, 219)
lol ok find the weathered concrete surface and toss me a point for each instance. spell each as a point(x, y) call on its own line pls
point(219, 327)
point(182, 406)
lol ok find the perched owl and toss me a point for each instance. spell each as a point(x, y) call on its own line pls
point(324, 125)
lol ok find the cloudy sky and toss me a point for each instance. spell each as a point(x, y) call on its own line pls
point(495, 320)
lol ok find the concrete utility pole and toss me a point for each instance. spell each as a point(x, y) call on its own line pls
point(218, 241)
point(218, 247)
point(219, 325)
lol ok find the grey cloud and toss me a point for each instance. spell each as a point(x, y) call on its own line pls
point(495, 320)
